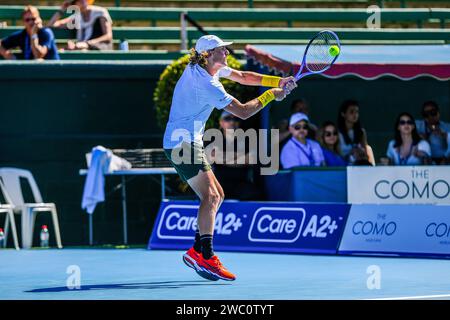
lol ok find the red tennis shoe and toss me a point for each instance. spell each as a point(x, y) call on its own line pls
point(191, 258)
point(215, 268)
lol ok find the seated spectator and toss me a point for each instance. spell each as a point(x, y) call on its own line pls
point(299, 150)
point(235, 179)
point(407, 148)
point(351, 134)
point(35, 41)
point(436, 132)
point(94, 30)
point(298, 105)
point(329, 140)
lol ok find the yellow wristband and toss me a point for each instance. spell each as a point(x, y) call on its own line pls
point(270, 81)
point(266, 97)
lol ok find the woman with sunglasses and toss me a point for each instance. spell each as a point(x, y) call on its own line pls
point(407, 148)
point(329, 140)
point(299, 150)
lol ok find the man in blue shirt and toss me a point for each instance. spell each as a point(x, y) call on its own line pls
point(35, 41)
point(436, 132)
point(299, 150)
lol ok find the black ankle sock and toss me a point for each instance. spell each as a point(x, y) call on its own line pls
point(207, 247)
point(197, 243)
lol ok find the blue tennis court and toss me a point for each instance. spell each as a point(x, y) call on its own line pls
point(156, 274)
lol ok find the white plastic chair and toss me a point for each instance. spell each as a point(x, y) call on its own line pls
point(11, 180)
point(9, 210)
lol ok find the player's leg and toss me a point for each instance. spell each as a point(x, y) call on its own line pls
point(211, 196)
point(204, 187)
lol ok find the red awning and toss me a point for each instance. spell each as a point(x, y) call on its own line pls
point(368, 62)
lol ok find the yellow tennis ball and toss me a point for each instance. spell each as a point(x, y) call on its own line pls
point(334, 51)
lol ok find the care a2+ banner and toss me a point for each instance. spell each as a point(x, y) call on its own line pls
point(255, 226)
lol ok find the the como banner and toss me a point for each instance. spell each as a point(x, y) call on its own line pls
point(399, 185)
point(255, 226)
point(405, 230)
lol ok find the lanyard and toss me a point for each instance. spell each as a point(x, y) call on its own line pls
point(309, 155)
point(404, 161)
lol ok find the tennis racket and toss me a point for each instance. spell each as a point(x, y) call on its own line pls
point(320, 54)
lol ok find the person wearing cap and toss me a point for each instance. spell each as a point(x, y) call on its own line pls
point(196, 94)
point(299, 150)
point(35, 41)
point(93, 25)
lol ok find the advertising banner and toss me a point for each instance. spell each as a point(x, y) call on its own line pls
point(398, 185)
point(410, 230)
point(254, 226)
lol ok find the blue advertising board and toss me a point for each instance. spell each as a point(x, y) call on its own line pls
point(404, 230)
point(255, 226)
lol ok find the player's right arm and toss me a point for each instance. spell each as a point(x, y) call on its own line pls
point(246, 110)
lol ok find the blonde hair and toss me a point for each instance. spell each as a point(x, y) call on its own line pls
point(31, 9)
point(198, 58)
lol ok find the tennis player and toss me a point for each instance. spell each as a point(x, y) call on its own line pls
point(196, 94)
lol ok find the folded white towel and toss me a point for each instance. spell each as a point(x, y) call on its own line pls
point(101, 161)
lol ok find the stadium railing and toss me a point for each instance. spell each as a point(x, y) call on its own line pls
point(165, 35)
point(253, 3)
point(243, 3)
point(287, 15)
point(406, 3)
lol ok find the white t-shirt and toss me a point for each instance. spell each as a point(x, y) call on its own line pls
point(392, 153)
point(196, 94)
point(84, 32)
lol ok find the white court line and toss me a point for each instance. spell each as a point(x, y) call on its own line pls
point(414, 297)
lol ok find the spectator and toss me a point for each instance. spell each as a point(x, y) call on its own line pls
point(302, 106)
point(329, 140)
point(298, 105)
point(351, 134)
point(35, 41)
point(235, 179)
point(299, 150)
point(407, 148)
point(93, 24)
point(435, 131)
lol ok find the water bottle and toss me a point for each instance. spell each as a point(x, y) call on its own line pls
point(44, 237)
point(123, 45)
point(2, 238)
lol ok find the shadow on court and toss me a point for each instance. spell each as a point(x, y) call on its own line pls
point(133, 286)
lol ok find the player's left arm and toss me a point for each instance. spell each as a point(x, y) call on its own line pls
point(250, 78)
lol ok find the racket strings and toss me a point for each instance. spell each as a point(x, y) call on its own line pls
point(318, 57)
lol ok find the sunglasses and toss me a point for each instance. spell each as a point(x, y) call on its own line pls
point(431, 113)
point(300, 127)
point(403, 122)
point(228, 119)
point(30, 19)
point(330, 133)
